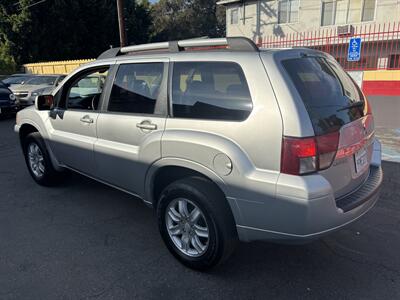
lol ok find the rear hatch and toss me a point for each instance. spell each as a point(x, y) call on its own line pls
point(341, 119)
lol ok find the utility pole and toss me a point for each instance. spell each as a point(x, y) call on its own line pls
point(121, 22)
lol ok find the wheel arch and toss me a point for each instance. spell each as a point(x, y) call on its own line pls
point(25, 130)
point(168, 170)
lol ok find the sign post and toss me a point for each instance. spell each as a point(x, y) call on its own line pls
point(354, 53)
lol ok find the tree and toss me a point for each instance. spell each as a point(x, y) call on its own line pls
point(70, 29)
point(180, 19)
point(14, 17)
point(138, 21)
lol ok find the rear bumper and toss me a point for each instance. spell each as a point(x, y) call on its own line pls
point(316, 219)
point(363, 194)
point(304, 208)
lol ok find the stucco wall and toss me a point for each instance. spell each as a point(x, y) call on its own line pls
point(266, 24)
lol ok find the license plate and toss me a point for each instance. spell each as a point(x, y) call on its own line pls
point(361, 160)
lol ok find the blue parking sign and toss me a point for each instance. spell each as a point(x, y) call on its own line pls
point(354, 53)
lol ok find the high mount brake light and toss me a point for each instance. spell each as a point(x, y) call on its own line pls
point(302, 156)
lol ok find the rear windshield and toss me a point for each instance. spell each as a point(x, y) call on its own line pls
point(331, 97)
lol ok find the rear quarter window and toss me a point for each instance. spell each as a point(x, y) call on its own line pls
point(210, 90)
point(326, 91)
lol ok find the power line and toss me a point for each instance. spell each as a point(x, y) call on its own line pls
point(30, 5)
point(36, 3)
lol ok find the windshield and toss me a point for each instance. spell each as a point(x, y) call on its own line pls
point(328, 92)
point(39, 80)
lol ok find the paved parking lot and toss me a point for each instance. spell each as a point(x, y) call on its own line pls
point(386, 112)
point(83, 240)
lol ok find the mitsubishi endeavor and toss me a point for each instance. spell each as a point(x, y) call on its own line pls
point(224, 140)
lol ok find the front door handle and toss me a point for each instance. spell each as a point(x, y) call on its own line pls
point(87, 119)
point(146, 125)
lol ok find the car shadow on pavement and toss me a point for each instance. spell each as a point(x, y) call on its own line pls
point(343, 264)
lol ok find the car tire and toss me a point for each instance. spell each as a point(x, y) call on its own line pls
point(38, 160)
point(188, 241)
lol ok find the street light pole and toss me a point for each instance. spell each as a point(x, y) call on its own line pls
point(121, 22)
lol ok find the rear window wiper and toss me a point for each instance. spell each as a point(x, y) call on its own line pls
point(350, 106)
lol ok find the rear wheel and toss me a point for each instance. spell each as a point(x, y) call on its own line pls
point(196, 223)
point(38, 160)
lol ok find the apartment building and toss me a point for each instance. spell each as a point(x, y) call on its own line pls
point(326, 25)
point(257, 19)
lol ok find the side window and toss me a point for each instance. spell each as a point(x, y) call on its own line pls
point(136, 88)
point(85, 91)
point(210, 90)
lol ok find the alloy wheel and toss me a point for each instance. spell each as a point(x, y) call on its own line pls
point(187, 227)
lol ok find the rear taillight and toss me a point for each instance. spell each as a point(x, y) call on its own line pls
point(327, 146)
point(298, 155)
point(306, 155)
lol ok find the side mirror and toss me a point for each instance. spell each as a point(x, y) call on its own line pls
point(44, 102)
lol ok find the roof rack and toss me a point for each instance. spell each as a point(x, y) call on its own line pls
point(231, 44)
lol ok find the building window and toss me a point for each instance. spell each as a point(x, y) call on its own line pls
point(288, 11)
point(354, 12)
point(328, 13)
point(368, 12)
point(234, 16)
point(335, 12)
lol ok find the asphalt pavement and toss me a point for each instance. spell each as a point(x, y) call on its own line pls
point(84, 240)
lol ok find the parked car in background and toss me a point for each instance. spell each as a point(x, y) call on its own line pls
point(7, 101)
point(232, 144)
point(17, 79)
point(38, 85)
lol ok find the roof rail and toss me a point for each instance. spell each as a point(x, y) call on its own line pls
point(145, 47)
point(231, 43)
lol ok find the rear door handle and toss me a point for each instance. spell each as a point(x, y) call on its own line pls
point(87, 119)
point(146, 125)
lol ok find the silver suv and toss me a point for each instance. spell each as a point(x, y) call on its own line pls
point(225, 141)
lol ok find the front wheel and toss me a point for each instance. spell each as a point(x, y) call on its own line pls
point(196, 223)
point(38, 160)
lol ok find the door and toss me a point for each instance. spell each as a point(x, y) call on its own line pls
point(74, 119)
point(131, 125)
